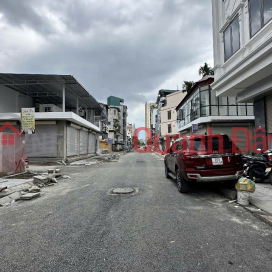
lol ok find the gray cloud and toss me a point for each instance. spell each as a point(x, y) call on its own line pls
point(125, 48)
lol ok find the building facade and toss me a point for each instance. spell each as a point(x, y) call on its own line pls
point(149, 108)
point(64, 115)
point(118, 113)
point(130, 132)
point(242, 34)
point(169, 115)
point(202, 109)
point(165, 119)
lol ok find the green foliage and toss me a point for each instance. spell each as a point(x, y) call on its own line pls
point(187, 86)
point(205, 70)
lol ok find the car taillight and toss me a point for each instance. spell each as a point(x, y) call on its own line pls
point(270, 158)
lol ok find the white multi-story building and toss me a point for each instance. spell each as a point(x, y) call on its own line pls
point(149, 107)
point(242, 34)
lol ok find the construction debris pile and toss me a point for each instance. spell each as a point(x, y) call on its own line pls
point(13, 190)
point(103, 158)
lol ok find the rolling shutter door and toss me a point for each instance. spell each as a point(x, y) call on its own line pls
point(72, 141)
point(83, 142)
point(92, 142)
point(228, 131)
point(44, 143)
point(269, 113)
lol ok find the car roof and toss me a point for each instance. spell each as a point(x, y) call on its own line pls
point(198, 136)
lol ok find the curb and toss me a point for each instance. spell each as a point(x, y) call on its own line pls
point(253, 208)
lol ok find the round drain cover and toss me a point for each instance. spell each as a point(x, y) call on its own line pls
point(123, 191)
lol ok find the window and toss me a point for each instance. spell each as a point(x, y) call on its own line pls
point(169, 115)
point(260, 14)
point(241, 109)
point(223, 106)
point(114, 112)
point(48, 109)
point(232, 38)
point(267, 11)
point(169, 128)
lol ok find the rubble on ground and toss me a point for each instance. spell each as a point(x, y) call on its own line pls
point(30, 189)
point(29, 196)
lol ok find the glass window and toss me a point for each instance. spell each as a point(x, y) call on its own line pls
point(232, 38)
point(227, 40)
point(250, 110)
point(204, 98)
point(267, 11)
point(241, 109)
point(260, 14)
point(214, 99)
point(255, 16)
point(223, 110)
point(169, 115)
point(214, 110)
point(235, 35)
point(232, 100)
point(169, 128)
point(233, 110)
point(205, 111)
point(223, 101)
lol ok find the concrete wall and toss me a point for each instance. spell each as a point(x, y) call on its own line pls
point(11, 101)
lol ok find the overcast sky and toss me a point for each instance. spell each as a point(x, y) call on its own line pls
point(126, 48)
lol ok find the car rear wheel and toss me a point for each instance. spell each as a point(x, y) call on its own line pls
point(183, 185)
point(166, 172)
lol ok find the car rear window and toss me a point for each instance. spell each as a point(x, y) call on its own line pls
point(227, 143)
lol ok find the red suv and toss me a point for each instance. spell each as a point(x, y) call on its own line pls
point(202, 159)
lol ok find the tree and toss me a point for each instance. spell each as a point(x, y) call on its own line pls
point(205, 70)
point(187, 86)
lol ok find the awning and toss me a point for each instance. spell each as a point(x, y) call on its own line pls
point(119, 143)
point(47, 89)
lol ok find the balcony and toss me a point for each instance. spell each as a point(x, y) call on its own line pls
point(204, 103)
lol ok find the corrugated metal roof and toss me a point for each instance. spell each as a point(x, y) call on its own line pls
point(48, 89)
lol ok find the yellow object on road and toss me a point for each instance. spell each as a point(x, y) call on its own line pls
point(245, 184)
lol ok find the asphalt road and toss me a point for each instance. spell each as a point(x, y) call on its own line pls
point(78, 226)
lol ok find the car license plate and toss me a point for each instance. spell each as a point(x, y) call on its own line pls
point(217, 161)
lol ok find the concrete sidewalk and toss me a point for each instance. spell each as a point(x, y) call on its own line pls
point(262, 197)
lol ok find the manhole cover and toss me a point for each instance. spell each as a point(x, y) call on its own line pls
point(123, 191)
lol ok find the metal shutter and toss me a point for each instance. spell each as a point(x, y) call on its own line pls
point(228, 131)
point(92, 142)
point(269, 113)
point(83, 142)
point(44, 143)
point(72, 141)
